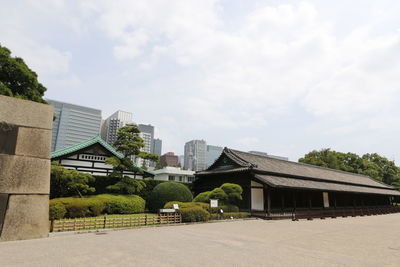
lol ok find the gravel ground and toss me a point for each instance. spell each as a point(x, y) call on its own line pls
point(360, 241)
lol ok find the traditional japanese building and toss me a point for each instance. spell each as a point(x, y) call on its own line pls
point(90, 156)
point(274, 187)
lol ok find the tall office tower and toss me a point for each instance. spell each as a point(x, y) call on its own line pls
point(264, 154)
point(73, 124)
point(213, 152)
point(147, 134)
point(182, 161)
point(157, 146)
point(110, 126)
point(195, 155)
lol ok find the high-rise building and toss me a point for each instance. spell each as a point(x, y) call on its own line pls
point(157, 146)
point(110, 126)
point(213, 152)
point(264, 154)
point(169, 159)
point(147, 134)
point(195, 155)
point(73, 124)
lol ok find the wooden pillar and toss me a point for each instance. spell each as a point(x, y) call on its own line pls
point(268, 202)
point(335, 201)
point(250, 197)
point(294, 200)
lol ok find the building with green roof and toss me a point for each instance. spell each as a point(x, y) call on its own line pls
point(89, 157)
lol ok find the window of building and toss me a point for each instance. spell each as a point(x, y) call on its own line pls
point(180, 179)
point(171, 178)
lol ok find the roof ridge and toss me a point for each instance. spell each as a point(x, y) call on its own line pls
point(314, 166)
point(89, 142)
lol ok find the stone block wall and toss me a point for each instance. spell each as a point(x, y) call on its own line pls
point(25, 141)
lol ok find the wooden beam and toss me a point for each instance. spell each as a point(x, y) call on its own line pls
point(269, 202)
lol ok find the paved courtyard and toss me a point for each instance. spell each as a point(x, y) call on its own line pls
point(360, 241)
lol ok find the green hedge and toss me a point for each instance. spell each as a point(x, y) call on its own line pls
point(122, 204)
point(170, 205)
point(194, 214)
point(225, 208)
point(81, 207)
point(95, 205)
point(57, 210)
point(229, 215)
point(100, 183)
point(168, 191)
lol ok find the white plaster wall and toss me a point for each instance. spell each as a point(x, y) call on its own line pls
point(257, 199)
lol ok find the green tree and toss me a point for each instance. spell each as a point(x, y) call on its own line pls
point(219, 194)
point(65, 183)
point(17, 79)
point(129, 143)
point(233, 191)
point(127, 186)
point(373, 165)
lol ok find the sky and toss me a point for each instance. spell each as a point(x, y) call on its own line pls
point(282, 77)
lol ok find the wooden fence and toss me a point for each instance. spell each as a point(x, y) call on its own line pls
point(344, 212)
point(107, 222)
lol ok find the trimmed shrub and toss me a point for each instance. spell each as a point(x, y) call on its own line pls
point(146, 192)
point(203, 197)
point(182, 205)
point(219, 194)
point(120, 204)
point(229, 215)
point(82, 207)
point(168, 191)
point(225, 208)
point(96, 205)
point(233, 191)
point(194, 214)
point(56, 210)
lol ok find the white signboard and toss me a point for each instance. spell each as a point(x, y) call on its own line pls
point(326, 199)
point(176, 206)
point(167, 210)
point(214, 203)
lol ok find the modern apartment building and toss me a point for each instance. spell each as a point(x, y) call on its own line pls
point(195, 155)
point(73, 124)
point(212, 153)
point(110, 126)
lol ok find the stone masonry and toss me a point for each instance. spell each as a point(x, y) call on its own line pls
point(25, 140)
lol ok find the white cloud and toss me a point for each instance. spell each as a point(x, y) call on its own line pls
point(279, 55)
point(218, 73)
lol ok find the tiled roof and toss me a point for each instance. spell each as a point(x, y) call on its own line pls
point(286, 182)
point(284, 173)
point(85, 144)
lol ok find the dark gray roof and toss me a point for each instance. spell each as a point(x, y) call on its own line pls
point(283, 173)
point(306, 170)
point(286, 182)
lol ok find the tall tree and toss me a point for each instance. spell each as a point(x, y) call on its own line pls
point(373, 165)
point(17, 79)
point(129, 143)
